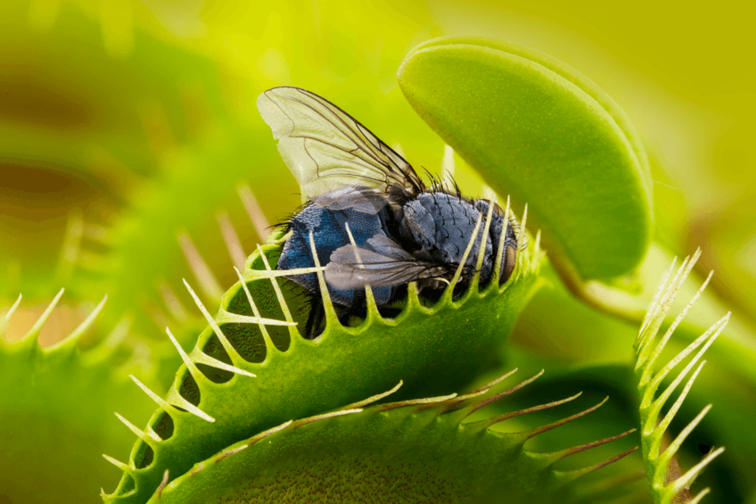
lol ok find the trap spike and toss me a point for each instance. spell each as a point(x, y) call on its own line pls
point(646, 350)
point(270, 274)
point(69, 252)
point(544, 428)
point(172, 302)
point(671, 450)
point(159, 400)
point(416, 402)
point(256, 215)
point(232, 241)
point(656, 406)
point(654, 302)
point(483, 243)
point(163, 484)
point(183, 403)
point(33, 333)
point(698, 498)
point(375, 398)
point(202, 273)
point(279, 295)
point(191, 408)
point(660, 346)
point(200, 357)
point(71, 340)
point(500, 248)
point(587, 446)
point(687, 479)
point(498, 396)
point(184, 357)
point(506, 416)
point(147, 437)
point(665, 303)
point(372, 307)
point(225, 317)
point(264, 434)
point(255, 310)
point(325, 295)
point(717, 329)
point(662, 427)
point(520, 242)
point(317, 418)
point(230, 452)
point(227, 346)
point(497, 380)
point(448, 166)
point(120, 465)
point(576, 473)
point(463, 262)
point(4, 321)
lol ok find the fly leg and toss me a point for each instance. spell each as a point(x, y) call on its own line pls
point(316, 320)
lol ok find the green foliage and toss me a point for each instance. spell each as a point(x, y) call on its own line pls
point(56, 413)
point(433, 349)
point(668, 483)
point(407, 451)
point(94, 94)
point(541, 131)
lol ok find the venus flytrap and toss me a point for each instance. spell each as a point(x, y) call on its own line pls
point(56, 412)
point(537, 129)
point(666, 485)
point(419, 450)
point(432, 347)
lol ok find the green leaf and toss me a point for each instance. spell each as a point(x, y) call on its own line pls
point(539, 130)
point(56, 417)
point(434, 349)
point(426, 450)
point(668, 483)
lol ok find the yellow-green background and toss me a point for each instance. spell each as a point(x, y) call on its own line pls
point(141, 115)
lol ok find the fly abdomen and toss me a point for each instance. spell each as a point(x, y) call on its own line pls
point(328, 228)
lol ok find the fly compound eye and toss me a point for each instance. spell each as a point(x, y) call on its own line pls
point(510, 259)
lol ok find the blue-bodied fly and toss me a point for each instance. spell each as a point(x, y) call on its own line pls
point(373, 221)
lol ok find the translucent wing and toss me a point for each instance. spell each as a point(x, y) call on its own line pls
point(353, 267)
point(326, 148)
point(357, 198)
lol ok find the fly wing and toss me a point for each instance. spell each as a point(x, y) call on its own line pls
point(357, 198)
point(353, 267)
point(326, 148)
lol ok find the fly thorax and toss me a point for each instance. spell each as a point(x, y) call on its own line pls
point(444, 224)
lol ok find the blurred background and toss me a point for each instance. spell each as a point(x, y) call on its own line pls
point(130, 143)
point(98, 100)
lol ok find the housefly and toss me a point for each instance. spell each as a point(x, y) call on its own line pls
point(372, 219)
